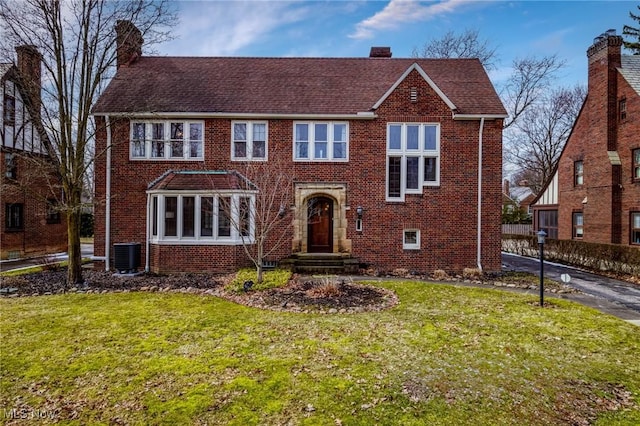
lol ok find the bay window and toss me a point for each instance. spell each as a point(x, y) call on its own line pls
point(167, 140)
point(320, 141)
point(413, 154)
point(202, 218)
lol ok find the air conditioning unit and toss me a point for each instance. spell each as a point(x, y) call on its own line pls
point(126, 257)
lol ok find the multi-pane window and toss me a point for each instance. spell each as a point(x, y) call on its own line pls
point(170, 140)
point(53, 211)
point(320, 141)
point(13, 217)
point(636, 164)
point(411, 239)
point(249, 141)
point(635, 228)
point(578, 173)
point(202, 218)
point(577, 225)
point(413, 158)
point(622, 109)
point(548, 222)
point(9, 110)
point(10, 166)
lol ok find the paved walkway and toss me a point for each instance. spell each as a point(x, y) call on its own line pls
point(608, 295)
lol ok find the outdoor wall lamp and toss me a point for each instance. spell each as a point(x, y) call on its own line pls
point(541, 236)
point(359, 211)
point(282, 211)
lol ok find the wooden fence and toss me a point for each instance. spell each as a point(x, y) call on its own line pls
point(517, 229)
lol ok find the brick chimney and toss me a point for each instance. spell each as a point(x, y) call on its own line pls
point(505, 187)
point(30, 72)
point(604, 58)
point(128, 43)
point(380, 52)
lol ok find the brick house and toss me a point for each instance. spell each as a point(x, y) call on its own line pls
point(30, 223)
point(401, 158)
point(594, 194)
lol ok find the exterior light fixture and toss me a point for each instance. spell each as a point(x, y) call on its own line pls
point(359, 211)
point(541, 236)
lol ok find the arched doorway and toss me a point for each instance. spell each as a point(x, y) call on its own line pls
point(320, 225)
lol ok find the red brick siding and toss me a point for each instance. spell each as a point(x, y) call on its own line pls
point(445, 215)
point(37, 237)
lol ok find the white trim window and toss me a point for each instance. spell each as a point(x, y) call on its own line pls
point(202, 218)
point(320, 141)
point(413, 158)
point(249, 141)
point(167, 140)
point(411, 239)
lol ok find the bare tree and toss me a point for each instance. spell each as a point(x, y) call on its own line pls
point(77, 42)
point(465, 45)
point(530, 80)
point(528, 88)
point(261, 218)
point(632, 33)
point(535, 142)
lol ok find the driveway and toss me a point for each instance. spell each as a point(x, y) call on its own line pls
point(614, 297)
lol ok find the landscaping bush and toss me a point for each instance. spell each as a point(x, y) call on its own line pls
point(594, 256)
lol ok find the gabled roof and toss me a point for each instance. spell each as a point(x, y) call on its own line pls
point(287, 86)
point(4, 69)
point(630, 70)
point(201, 180)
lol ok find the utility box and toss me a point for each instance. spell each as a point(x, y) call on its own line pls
point(126, 257)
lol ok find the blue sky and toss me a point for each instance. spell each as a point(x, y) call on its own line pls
point(339, 28)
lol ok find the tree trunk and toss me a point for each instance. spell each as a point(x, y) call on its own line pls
point(259, 278)
point(74, 274)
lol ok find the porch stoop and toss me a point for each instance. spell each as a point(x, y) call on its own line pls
point(321, 263)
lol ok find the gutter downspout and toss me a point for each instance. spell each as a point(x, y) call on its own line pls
point(147, 256)
point(479, 243)
point(107, 208)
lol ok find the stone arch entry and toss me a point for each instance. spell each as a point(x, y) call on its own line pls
point(320, 225)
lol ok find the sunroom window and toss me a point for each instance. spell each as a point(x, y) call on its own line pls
point(202, 218)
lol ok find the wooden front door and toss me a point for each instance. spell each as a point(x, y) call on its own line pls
point(320, 225)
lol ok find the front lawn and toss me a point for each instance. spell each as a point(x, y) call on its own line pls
point(444, 355)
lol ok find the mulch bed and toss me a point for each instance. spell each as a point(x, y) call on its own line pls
point(301, 294)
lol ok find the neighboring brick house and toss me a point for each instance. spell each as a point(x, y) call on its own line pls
point(30, 223)
point(594, 194)
point(387, 149)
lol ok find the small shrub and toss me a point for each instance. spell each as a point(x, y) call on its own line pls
point(270, 279)
point(471, 273)
point(325, 289)
point(440, 275)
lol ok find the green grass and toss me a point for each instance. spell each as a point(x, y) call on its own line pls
point(444, 356)
point(270, 279)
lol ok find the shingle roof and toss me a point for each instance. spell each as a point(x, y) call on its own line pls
point(285, 85)
point(4, 68)
point(184, 180)
point(630, 70)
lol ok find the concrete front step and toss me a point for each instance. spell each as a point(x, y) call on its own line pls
point(327, 263)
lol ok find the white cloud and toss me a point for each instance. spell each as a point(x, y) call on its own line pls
point(398, 12)
point(224, 28)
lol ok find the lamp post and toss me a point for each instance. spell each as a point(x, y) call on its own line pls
point(541, 235)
